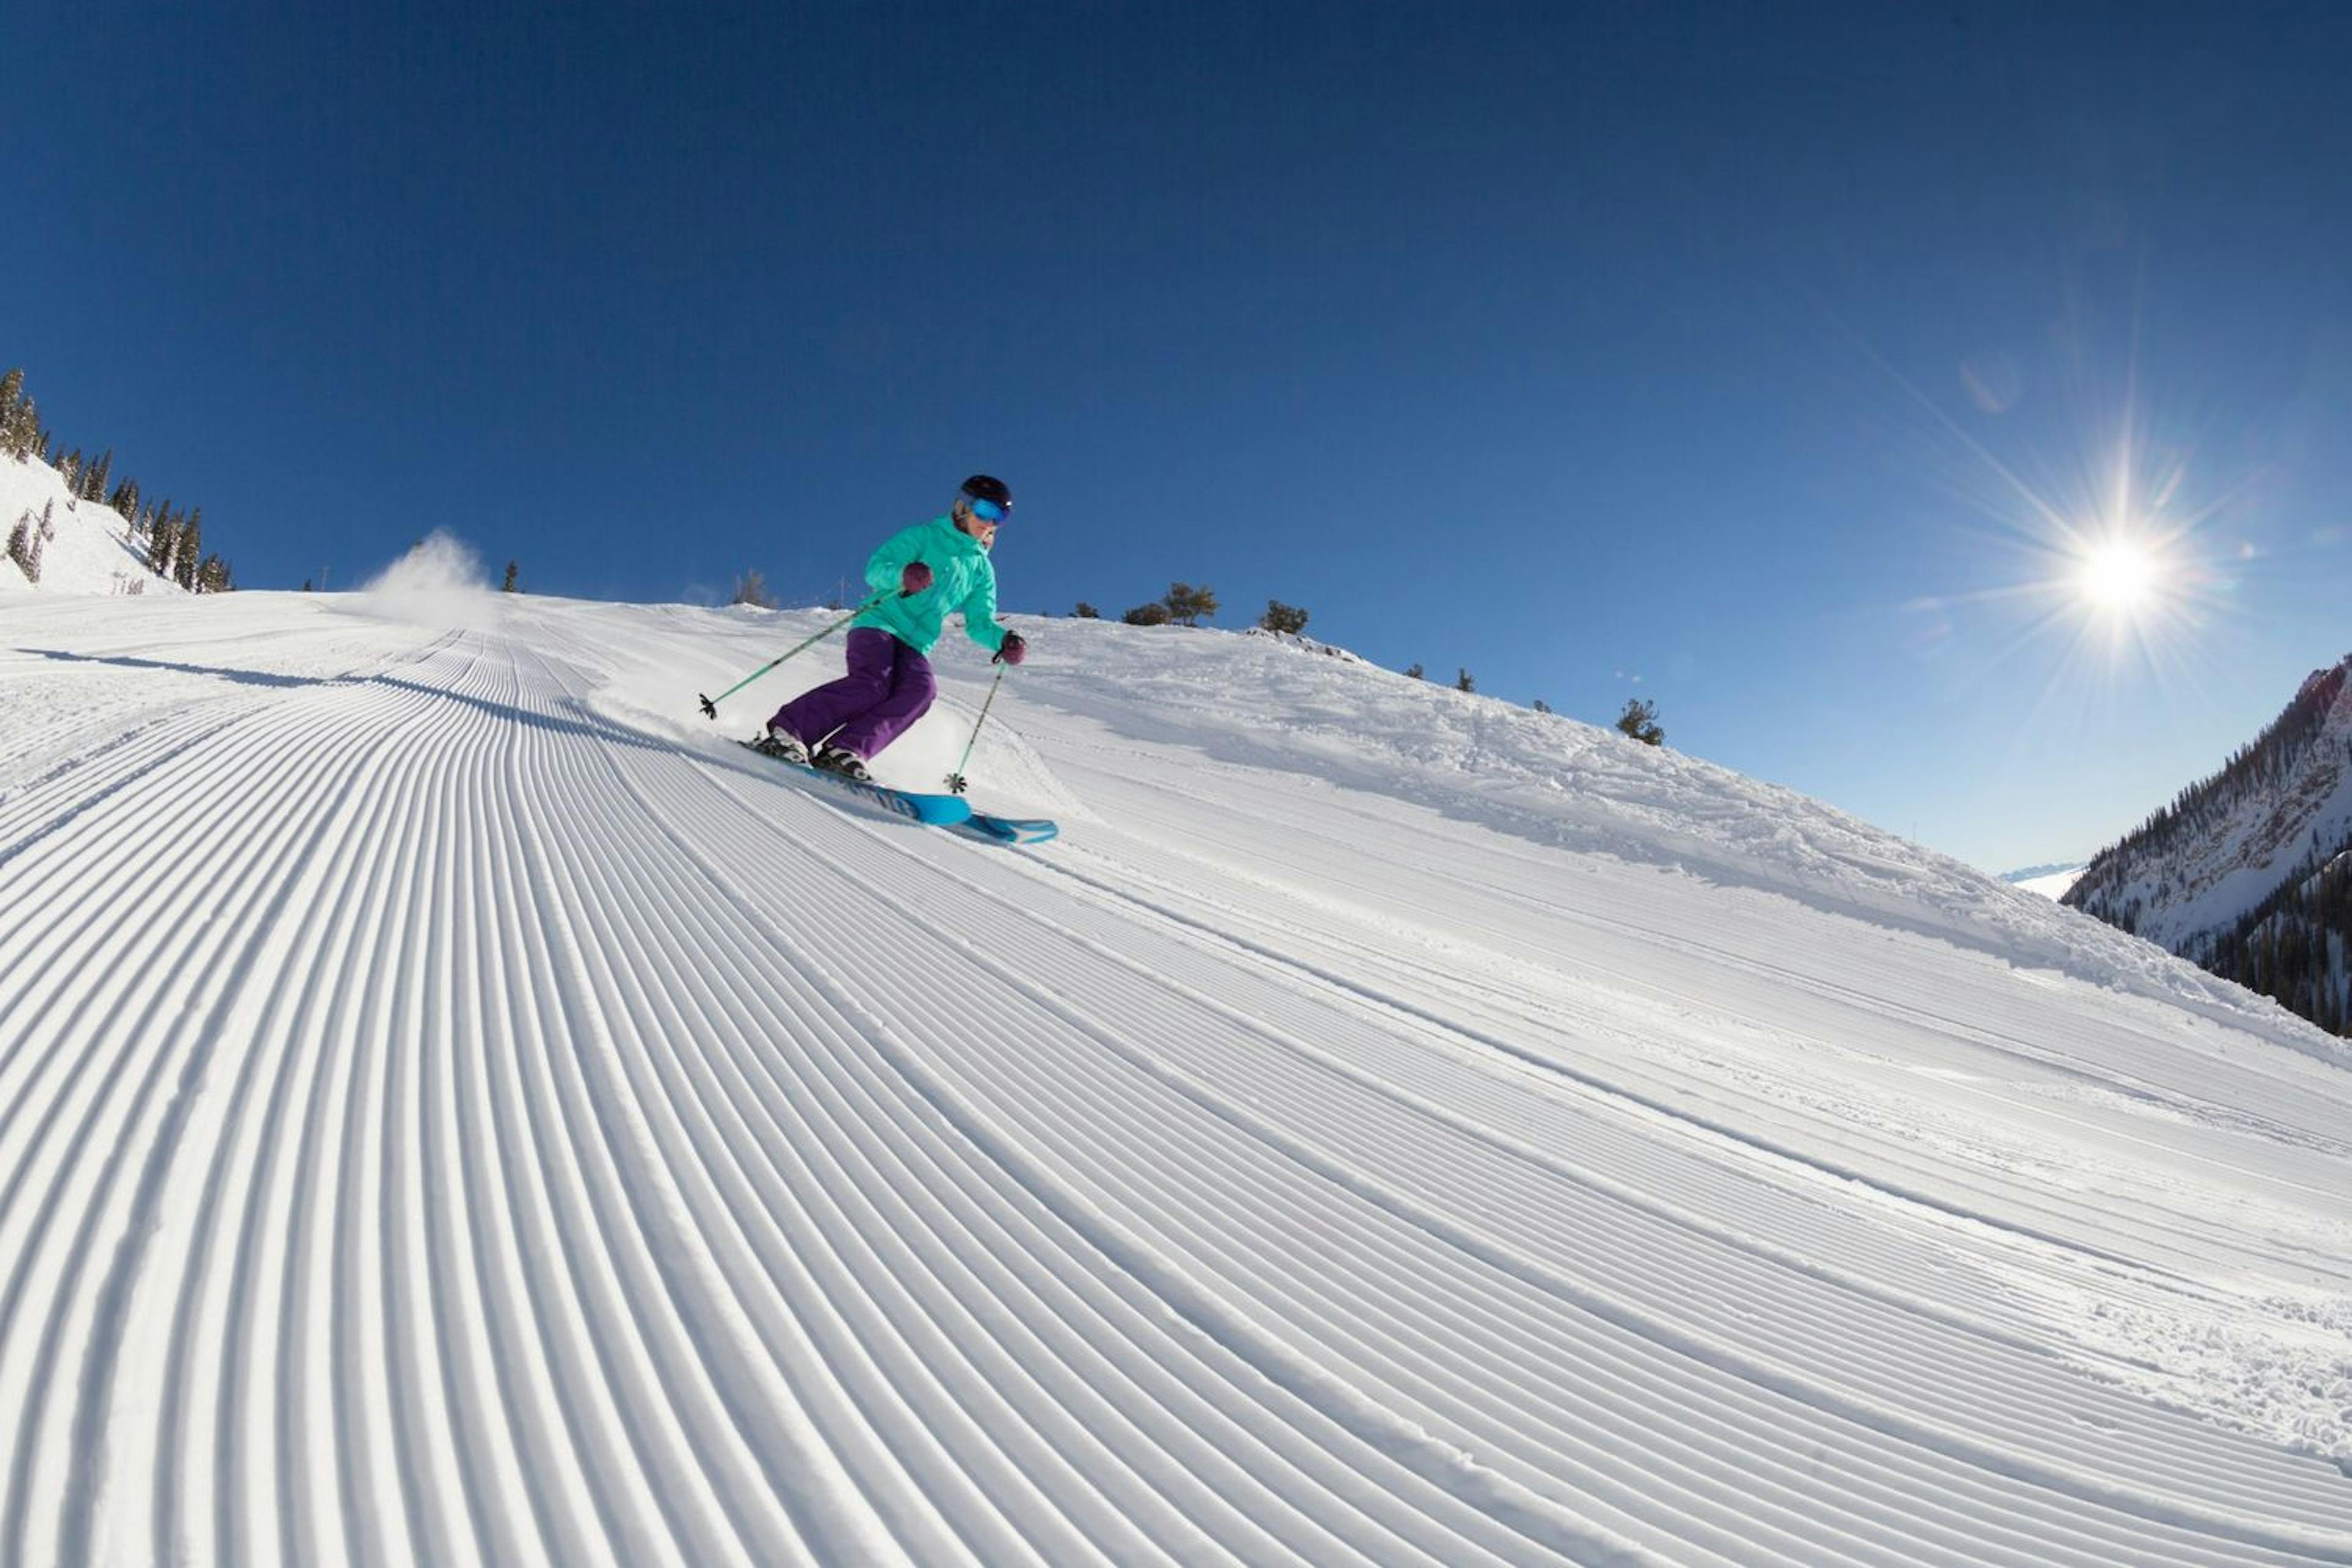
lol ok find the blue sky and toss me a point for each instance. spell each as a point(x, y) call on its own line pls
point(1756, 365)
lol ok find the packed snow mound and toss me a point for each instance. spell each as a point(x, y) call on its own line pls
point(91, 551)
point(1581, 787)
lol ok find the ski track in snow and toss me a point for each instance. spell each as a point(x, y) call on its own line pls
point(451, 1111)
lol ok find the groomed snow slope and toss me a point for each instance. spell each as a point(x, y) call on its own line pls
point(455, 1106)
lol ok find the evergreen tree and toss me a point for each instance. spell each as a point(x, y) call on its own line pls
point(511, 585)
point(24, 547)
point(1087, 612)
point(21, 435)
point(1414, 672)
point(15, 433)
point(211, 577)
point(94, 483)
point(1541, 706)
point(190, 551)
point(752, 588)
point(1186, 605)
point(1463, 681)
point(1640, 720)
point(162, 540)
point(1151, 614)
point(1282, 617)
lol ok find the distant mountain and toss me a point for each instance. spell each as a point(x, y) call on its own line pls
point(2050, 881)
point(2249, 873)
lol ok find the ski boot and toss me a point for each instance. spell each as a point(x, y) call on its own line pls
point(782, 747)
point(848, 763)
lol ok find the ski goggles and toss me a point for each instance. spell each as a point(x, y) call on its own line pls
point(986, 511)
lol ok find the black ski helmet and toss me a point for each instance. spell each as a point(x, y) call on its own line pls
point(986, 486)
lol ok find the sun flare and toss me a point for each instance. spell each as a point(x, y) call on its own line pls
point(2117, 563)
point(2120, 577)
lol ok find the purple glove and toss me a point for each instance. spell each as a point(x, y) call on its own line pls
point(915, 578)
point(1014, 650)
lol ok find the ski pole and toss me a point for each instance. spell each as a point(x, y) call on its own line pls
point(711, 704)
point(956, 779)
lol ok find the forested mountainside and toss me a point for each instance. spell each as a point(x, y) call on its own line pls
point(2249, 872)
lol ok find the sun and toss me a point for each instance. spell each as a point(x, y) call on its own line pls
point(2114, 571)
point(2120, 577)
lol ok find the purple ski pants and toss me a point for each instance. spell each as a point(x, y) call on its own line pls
point(888, 687)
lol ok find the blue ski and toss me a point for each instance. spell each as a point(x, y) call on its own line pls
point(938, 810)
point(1010, 830)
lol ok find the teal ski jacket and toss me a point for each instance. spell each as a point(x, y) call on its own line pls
point(962, 578)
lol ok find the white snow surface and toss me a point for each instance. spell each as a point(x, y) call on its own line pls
point(92, 551)
point(2053, 886)
point(456, 1106)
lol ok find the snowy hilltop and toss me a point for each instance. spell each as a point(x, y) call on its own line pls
point(83, 547)
point(75, 523)
point(458, 1105)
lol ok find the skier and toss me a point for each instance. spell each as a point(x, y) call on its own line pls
point(927, 572)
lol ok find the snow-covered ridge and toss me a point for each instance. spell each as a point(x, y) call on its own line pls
point(1303, 643)
point(91, 551)
point(2252, 828)
point(2234, 873)
point(1586, 788)
point(456, 1106)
